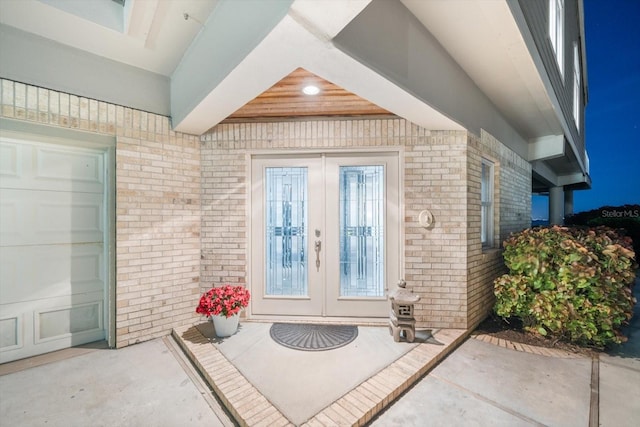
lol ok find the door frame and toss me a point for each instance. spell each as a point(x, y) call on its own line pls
point(279, 153)
point(37, 133)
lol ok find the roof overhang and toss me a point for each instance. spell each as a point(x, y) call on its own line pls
point(492, 43)
point(301, 39)
point(443, 65)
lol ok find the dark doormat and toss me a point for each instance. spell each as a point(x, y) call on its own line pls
point(309, 337)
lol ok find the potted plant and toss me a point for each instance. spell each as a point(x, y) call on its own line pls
point(223, 305)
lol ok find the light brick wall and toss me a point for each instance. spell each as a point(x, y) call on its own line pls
point(224, 232)
point(434, 178)
point(181, 221)
point(224, 171)
point(512, 212)
point(157, 205)
point(435, 264)
point(157, 235)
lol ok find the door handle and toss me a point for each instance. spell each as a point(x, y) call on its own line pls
point(318, 247)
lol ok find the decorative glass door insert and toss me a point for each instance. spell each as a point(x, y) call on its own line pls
point(286, 231)
point(362, 231)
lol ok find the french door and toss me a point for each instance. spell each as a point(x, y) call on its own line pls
point(325, 234)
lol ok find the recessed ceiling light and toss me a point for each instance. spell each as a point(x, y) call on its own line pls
point(311, 90)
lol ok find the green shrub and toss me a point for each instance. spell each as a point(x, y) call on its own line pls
point(626, 217)
point(571, 283)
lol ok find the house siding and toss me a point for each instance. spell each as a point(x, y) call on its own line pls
point(536, 14)
point(157, 194)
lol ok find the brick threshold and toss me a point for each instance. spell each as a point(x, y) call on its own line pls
point(357, 407)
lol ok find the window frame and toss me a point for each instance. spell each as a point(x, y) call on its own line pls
point(556, 31)
point(487, 205)
point(577, 85)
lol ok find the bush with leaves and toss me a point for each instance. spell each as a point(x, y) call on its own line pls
point(625, 217)
point(574, 284)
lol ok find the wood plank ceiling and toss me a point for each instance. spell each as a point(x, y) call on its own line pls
point(285, 99)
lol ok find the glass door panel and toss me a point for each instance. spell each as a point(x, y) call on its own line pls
point(286, 231)
point(362, 231)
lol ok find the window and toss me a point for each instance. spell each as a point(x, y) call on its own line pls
point(577, 86)
point(486, 204)
point(556, 30)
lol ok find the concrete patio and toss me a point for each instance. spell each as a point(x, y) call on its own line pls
point(264, 384)
point(375, 381)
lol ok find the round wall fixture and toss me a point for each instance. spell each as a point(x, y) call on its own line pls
point(425, 218)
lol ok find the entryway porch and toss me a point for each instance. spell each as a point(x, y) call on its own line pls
point(263, 383)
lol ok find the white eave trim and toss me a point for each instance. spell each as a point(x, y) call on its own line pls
point(291, 45)
point(535, 55)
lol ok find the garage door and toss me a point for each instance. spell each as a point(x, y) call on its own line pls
point(52, 247)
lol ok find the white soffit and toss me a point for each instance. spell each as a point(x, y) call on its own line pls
point(483, 37)
point(155, 38)
point(302, 39)
point(273, 57)
point(326, 18)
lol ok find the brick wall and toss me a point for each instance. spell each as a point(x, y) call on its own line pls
point(512, 212)
point(434, 178)
point(181, 220)
point(435, 263)
point(224, 232)
point(157, 205)
point(157, 235)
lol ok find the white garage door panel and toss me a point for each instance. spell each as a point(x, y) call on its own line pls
point(10, 160)
point(11, 332)
point(57, 167)
point(46, 325)
point(50, 217)
point(53, 272)
point(47, 167)
point(43, 272)
point(66, 320)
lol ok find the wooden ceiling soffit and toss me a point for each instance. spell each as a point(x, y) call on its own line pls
point(285, 99)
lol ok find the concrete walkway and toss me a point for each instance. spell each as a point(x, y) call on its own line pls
point(483, 384)
point(141, 385)
point(498, 383)
point(619, 385)
point(371, 381)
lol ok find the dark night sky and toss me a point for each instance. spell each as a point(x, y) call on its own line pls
point(612, 34)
